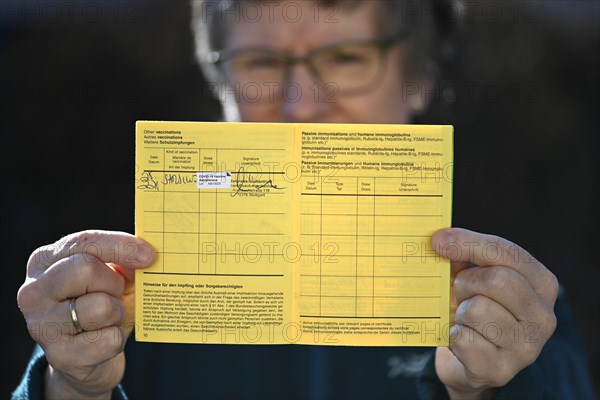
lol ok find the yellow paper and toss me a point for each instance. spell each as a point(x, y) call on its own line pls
point(293, 233)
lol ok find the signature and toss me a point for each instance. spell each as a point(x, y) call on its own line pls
point(148, 181)
point(252, 184)
point(178, 179)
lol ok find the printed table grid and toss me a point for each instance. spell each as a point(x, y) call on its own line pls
point(353, 254)
point(188, 227)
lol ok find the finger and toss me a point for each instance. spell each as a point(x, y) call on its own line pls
point(457, 266)
point(520, 341)
point(484, 362)
point(99, 310)
point(487, 250)
point(115, 247)
point(492, 321)
point(127, 273)
point(484, 250)
point(81, 274)
point(96, 311)
point(502, 285)
point(85, 350)
point(513, 292)
point(66, 279)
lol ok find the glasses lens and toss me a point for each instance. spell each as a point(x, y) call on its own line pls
point(255, 67)
point(351, 67)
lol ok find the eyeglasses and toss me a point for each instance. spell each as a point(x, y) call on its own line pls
point(353, 66)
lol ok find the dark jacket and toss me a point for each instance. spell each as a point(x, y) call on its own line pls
point(177, 371)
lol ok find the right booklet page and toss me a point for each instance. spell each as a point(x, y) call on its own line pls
point(371, 196)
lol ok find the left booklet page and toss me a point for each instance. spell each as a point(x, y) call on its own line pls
point(218, 215)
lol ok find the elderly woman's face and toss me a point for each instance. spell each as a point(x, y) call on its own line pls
point(296, 29)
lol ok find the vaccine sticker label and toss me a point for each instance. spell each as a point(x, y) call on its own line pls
point(213, 180)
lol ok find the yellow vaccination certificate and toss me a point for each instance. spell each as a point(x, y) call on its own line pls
point(270, 233)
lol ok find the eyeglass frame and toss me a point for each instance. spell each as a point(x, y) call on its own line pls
point(383, 45)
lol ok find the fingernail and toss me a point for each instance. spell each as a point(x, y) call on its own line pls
point(443, 237)
point(145, 253)
point(449, 235)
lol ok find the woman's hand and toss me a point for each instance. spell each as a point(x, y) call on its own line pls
point(502, 304)
point(90, 273)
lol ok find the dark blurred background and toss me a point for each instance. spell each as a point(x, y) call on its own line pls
point(521, 91)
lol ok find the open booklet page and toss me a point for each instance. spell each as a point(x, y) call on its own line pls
point(293, 233)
